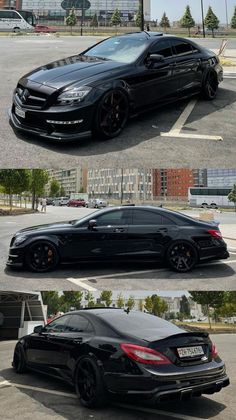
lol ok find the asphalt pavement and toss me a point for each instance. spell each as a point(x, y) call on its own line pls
point(206, 138)
point(35, 396)
point(218, 275)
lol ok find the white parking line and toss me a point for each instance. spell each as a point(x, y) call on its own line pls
point(177, 127)
point(159, 412)
point(35, 388)
point(79, 282)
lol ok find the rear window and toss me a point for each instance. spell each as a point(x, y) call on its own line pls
point(141, 325)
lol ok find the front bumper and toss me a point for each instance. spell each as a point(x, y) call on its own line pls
point(35, 122)
point(16, 257)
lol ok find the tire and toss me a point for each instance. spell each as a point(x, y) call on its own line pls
point(42, 256)
point(112, 114)
point(19, 362)
point(182, 256)
point(210, 85)
point(89, 384)
point(16, 29)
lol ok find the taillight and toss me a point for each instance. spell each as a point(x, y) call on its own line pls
point(215, 233)
point(144, 355)
point(214, 352)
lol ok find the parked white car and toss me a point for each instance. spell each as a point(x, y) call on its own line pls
point(96, 203)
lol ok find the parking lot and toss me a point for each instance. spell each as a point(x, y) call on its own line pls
point(33, 395)
point(192, 133)
point(219, 275)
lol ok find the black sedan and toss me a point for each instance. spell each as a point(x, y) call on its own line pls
point(119, 233)
point(95, 92)
point(105, 352)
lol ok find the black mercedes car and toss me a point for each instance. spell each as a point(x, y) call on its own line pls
point(95, 92)
point(119, 233)
point(104, 352)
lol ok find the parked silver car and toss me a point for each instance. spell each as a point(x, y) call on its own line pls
point(96, 203)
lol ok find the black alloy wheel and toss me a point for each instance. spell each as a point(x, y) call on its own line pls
point(182, 256)
point(112, 114)
point(42, 256)
point(19, 362)
point(89, 383)
point(210, 85)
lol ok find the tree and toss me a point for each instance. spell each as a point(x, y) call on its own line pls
point(116, 18)
point(38, 180)
point(148, 304)
point(94, 21)
point(184, 306)
point(164, 23)
point(208, 299)
point(120, 302)
point(232, 196)
point(138, 18)
point(211, 21)
point(130, 303)
point(90, 299)
point(187, 21)
point(52, 300)
point(70, 300)
point(106, 296)
point(14, 181)
point(71, 20)
point(155, 305)
point(54, 188)
point(233, 20)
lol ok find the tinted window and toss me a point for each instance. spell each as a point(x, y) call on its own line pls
point(78, 323)
point(167, 221)
point(182, 48)
point(139, 324)
point(162, 48)
point(118, 217)
point(145, 217)
point(58, 324)
point(8, 14)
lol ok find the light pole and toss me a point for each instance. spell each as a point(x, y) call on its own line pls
point(82, 20)
point(142, 14)
point(203, 23)
point(226, 13)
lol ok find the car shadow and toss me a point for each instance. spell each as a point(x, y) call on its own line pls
point(139, 129)
point(157, 270)
point(118, 408)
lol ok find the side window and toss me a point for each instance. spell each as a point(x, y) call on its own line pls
point(167, 221)
point(78, 323)
point(162, 48)
point(182, 48)
point(117, 217)
point(145, 217)
point(59, 324)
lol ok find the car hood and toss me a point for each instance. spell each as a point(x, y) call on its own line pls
point(75, 69)
point(41, 228)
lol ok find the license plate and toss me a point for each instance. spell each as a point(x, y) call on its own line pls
point(190, 351)
point(20, 112)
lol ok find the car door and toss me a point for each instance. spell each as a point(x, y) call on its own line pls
point(151, 84)
point(106, 239)
point(149, 233)
point(42, 349)
point(187, 68)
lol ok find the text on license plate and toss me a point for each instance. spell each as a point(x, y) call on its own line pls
point(20, 112)
point(190, 351)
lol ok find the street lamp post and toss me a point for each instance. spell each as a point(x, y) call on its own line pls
point(226, 13)
point(142, 14)
point(203, 23)
point(82, 19)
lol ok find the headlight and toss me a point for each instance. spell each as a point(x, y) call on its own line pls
point(74, 95)
point(20, 239)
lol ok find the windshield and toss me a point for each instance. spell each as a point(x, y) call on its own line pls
point(123, 49)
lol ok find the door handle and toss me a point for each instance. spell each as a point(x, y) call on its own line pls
point(119, 230)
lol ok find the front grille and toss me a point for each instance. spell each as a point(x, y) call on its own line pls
point(30, 98)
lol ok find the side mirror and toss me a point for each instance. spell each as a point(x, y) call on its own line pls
point(92, 224)
point(39, 329)
point(155, 59)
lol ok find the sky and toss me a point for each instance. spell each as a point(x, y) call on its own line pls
point(175, 8)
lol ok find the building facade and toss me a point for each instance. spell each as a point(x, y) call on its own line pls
point(221, 177)
point(172, 183)
point(103, 8)
point(72, 181)
point(121, 184)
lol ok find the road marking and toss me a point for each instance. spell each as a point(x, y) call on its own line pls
point(79, 282)
point(35, 388)
point(161, 412)
point(178, 126)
